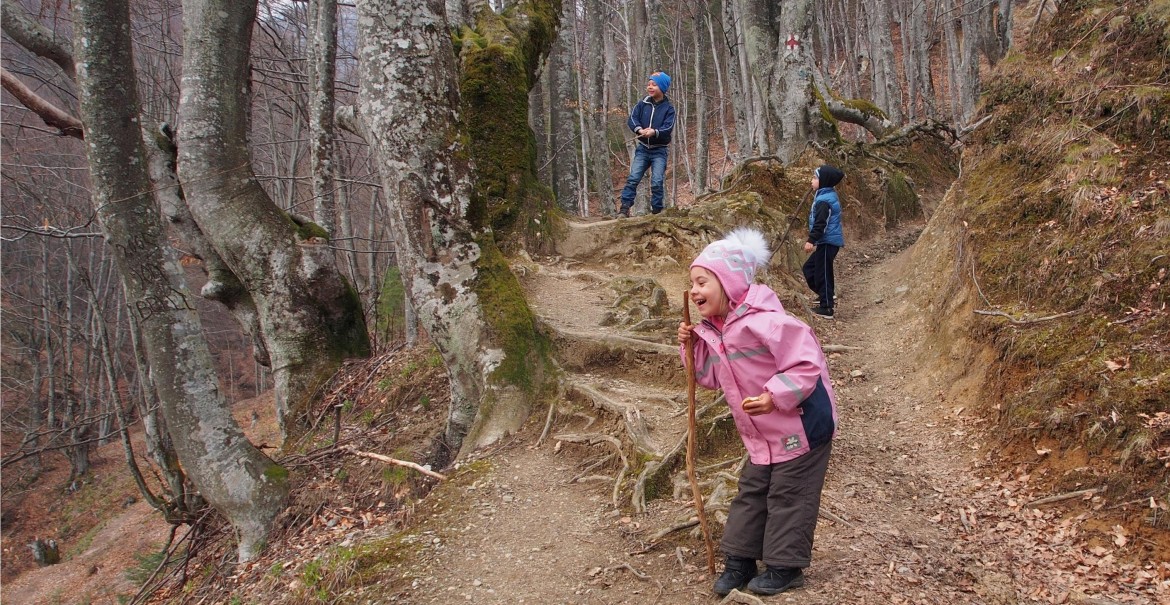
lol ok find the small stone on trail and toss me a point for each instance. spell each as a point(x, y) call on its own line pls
point(857, 373)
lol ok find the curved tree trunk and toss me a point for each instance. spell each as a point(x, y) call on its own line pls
point(310, 318)
point(462, 290)
point(242, 483)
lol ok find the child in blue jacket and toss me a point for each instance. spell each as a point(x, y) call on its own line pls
point(652, 120)
point(825, 238)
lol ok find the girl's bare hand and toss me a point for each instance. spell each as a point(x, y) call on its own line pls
point(684, 332)
point(760, 404)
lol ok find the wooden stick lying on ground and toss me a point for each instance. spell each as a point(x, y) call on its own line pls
point(1060, 497)
point(387, 459)
point(691, 430)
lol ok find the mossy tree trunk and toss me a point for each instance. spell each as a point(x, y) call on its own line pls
point(235, 477)
point(310, 317)
point(445, 217)
point(498, 60)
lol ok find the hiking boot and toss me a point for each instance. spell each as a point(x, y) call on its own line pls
point(737, 572)
point(655, 210)
point(624, 213)
point(822, 312)
point(776, 580)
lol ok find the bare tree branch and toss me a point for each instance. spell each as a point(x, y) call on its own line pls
point(36, 38)
point(51, 114)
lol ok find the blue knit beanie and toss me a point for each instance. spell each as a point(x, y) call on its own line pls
point(662, 80)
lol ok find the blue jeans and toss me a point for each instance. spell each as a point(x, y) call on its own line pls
point(654, 160)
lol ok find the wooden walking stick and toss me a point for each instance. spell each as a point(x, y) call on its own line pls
point(691, 430)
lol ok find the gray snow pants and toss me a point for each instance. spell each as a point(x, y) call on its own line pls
point(775, 513)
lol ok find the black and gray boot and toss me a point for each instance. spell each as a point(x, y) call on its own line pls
point(737, 572)
point(776, 580)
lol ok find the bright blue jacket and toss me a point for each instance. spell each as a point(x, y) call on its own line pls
point(824, 219)
point(659, 116)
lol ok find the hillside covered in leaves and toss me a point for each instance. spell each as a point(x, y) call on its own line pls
point(1051, 254)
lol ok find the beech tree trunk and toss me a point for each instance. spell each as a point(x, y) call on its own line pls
point(886, 89)
point(310, 317)
point(242, 483)
point(564, 139)
point(702, 134)
point(463, 293)
point(323, 52)
point(596, 108)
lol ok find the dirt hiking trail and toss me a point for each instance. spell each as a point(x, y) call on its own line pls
point(912, 512)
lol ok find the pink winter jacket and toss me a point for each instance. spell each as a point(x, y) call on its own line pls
point(762, 347)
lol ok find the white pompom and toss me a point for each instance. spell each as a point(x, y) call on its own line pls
point(752, 243)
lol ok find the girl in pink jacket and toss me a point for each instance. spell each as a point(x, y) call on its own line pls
point(776, 381)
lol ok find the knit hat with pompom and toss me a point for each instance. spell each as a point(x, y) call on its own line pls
point(734, 261)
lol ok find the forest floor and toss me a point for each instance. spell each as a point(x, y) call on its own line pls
point(916, 509)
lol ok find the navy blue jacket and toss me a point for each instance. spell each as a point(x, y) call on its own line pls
point(659, 116)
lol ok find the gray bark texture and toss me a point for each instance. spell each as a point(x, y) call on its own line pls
point(461, 289)
point(310, 317)
point(562, 91)
point(242, 483)
point(886, 90)
point(595, 107)
point(222, 285)
point(409, 99)
point(321, 100)
point(702, 134)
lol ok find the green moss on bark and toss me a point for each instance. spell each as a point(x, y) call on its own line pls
point(511, 322)
point(499, 61)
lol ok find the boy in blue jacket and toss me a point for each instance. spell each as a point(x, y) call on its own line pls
point(825, 238)
point(652, 120)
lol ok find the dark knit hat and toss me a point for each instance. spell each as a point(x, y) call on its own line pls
point(829, 176)
point(662, 80)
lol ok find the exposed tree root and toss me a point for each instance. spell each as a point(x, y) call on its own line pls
point(635, 422)
point(594, 439)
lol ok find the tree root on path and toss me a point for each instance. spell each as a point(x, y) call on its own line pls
point(594, 439)
point(654, 468)
point(635, 423)
point(743, 598)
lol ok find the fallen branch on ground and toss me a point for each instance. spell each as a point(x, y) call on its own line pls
point(637, 574)
point(1060, 497)
point(1024, 322)
point(388, 460)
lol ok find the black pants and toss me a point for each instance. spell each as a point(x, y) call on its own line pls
point(818, 273)
point(774, 515)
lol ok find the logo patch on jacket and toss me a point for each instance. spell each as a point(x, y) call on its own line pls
point(791, 442)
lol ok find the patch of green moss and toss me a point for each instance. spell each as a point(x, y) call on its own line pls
point(865, 106)
point(276, 474)
point(307, 229)
point(901, 200)
point(512, 322)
